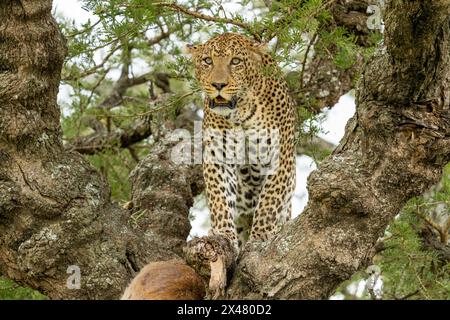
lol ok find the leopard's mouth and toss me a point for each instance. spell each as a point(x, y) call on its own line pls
point(221, 102)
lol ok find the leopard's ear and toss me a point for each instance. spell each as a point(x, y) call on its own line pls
point(192, 49)
point(261, 47)
point(258, 50)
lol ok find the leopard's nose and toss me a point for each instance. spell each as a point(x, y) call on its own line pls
point(219, 85)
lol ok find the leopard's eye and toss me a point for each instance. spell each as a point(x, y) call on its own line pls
point(235, 61)
point(208, 61)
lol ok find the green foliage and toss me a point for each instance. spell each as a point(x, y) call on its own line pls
point(345, 46)
point(9, 290)
point(409, 269)
point(309, 125)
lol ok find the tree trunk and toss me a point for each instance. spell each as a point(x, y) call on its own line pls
point(56, 211)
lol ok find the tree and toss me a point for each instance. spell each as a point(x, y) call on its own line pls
point(56, 212)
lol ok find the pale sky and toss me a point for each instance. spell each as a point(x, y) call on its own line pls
point(71, 9)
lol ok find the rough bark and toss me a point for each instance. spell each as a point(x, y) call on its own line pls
point(213, 257)
point(55, 209)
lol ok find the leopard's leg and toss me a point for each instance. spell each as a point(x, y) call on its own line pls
point(243, 223)
point(278, 184)
point(220, 247)
point(221, 188)
point(249, 186)
point(215, 254)
point(273, 208)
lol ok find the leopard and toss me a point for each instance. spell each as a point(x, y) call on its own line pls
point(248, 137)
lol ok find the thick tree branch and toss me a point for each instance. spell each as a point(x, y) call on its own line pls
point(120, 138)
point(354, 16)
point(325, 83)
point(115, 98)
point(431, 242)
point(205, 17)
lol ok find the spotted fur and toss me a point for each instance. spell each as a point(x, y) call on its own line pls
point(247, 199)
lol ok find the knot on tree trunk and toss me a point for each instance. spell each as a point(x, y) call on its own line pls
point(213, 257)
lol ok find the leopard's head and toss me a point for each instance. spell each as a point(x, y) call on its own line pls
point(227, 67)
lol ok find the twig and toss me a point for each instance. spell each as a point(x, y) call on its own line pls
point(155, 109)
point(288, 16)
point(94, 68)
point(205, 17)
point(442, 230)
point(158, 39)
point(409, 295)
point(305, 59)
point(92, 26)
